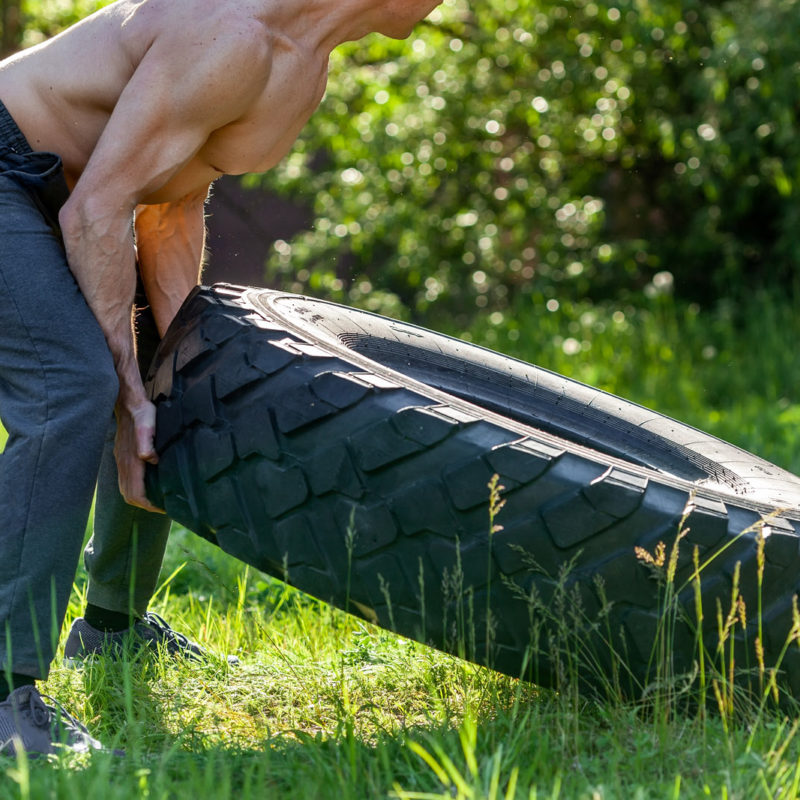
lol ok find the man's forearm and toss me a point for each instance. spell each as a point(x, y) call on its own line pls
point(101, 255)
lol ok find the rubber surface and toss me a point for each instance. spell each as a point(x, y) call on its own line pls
point(351, 455)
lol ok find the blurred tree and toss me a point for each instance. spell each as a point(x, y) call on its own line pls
point(519, 148)
point(27, 22)
point(10, 26)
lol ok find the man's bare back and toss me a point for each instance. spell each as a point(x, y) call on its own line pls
point(147, 102)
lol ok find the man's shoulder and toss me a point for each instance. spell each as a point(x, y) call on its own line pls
point(221, 40)
point(199, 24)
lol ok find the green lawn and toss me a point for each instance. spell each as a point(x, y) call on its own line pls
point(325, 706)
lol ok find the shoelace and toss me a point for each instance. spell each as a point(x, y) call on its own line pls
point(42, 714)
point(161, 626)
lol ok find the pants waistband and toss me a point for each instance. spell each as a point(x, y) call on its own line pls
point(10, 134)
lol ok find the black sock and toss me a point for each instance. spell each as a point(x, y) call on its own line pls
point(17, 680)
point(105, 620)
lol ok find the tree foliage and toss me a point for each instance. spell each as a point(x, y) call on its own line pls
point(10, 26)
point(539, 147)
point(27, 22)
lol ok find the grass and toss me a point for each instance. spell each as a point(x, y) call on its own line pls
point(324, 706)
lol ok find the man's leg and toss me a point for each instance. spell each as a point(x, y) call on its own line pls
point(57, 380)
point(123, 557)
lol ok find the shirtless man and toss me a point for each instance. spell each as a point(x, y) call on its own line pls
point(144, 103)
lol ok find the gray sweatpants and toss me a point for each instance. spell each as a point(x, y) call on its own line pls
point(57, 393)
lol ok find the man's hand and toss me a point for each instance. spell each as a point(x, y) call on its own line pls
point(133, 447)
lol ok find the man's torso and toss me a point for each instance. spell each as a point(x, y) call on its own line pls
point(63, 92)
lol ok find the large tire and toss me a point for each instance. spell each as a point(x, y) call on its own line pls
point(284, 423)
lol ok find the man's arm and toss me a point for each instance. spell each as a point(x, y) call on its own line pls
point(188, 84)
point(170, 240)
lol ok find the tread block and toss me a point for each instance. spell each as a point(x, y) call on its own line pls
point(339, 388)
point(781, 542)
point(298, 407)
point(192, 346)
point(423, 506)
point(573, 519)
point(471, 560)
point(716, 590)
point(240, 545)
point(526, 546)
point(234, 373)
point(195, 304)
point(264, 355)
point(417, 471)
point(376, 381)
point(222, 505)
point(380, 444)
point(656, 520)
point(500, 631)
point(422, 425)
point(641, 628)
point(707, 521)
point(176, 485)
point(213, 452)
point(168, 422)
point(162, 381)
point(218, 328)
point(295, 540)
point(386, 581)
point(456, 415)
point(299, 348)
point(777, 628)
point(628, 580)
point(260, 321)
point(178, 508)
point(205, 303)
point(332, 469)
point(282, 489)
point(170, 474)
point(253, 433)
point(374, 526)
point(197, 403)
point(522, 461)
point(468, 484)
point(616, 492)
point(540, 592)
point(316, 582)
point(219, 291)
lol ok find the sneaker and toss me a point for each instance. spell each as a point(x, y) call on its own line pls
point(151, 632)
point(26, 721)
